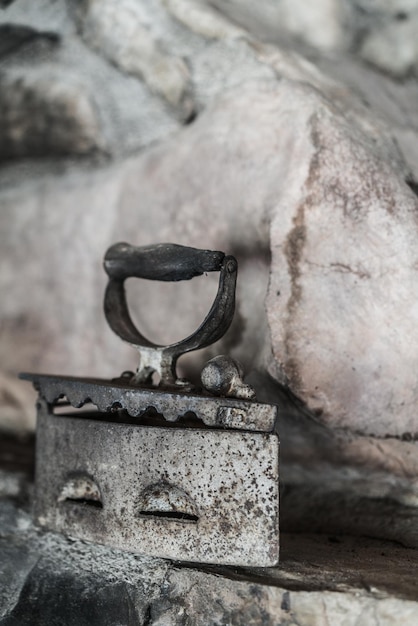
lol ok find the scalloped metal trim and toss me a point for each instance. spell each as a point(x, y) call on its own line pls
point(107, 395)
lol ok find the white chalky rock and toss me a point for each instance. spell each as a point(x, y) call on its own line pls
point(122, 32)
point(343, 296)
point(382, 32)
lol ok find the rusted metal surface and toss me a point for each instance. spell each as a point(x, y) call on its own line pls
point(105, 395)
point(223, 376)
point(162, 469)
point(207, 495)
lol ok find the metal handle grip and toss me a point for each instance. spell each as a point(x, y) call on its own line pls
point(163, 261)
point(167, 262)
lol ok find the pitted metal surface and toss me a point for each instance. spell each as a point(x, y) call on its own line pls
point(105, 395)
point(193, 495)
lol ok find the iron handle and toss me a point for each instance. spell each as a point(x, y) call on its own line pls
point(163, 261)
point(167, 262)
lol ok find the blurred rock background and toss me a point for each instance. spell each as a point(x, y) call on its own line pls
point(284, 132)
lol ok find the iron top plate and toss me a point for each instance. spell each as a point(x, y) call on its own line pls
point(110, 395)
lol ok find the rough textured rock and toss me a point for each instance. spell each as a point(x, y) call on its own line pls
point(122, 33)
point(80, 88)
point(48, 579)
point(380, 32)
point(347, 243)
point(326, 24)
point(46, 114)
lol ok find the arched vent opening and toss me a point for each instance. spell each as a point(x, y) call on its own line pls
point(165, 501)
point(83, 490)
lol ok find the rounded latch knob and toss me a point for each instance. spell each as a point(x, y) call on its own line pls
point(223, 376)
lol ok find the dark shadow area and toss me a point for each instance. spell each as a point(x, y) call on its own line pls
point(17, 454)
point(13, 37)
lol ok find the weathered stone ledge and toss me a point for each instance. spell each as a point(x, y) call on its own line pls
point(46, 578)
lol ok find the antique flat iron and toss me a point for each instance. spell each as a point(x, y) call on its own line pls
point(163, 469)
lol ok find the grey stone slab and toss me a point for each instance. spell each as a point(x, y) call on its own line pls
point(47, 579)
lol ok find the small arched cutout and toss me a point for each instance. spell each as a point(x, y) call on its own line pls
point(81, 489)
point(166, 501)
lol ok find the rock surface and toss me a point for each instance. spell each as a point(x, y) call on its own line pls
point(123, 33)
point(48, 579)
point(381, 32)
point(46, 115)
point(346, 244)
